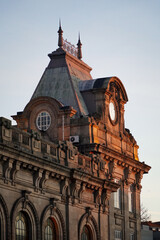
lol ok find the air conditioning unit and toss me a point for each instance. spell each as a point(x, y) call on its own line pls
point(74, 139)
point(116, 180)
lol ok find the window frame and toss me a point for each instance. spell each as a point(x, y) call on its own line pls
point(86, 230)
point(43, 120)
point(132, 236)
point(117, 198)
point(50, 223)
point(131, 199)
point(22, 219)
point(118, 235)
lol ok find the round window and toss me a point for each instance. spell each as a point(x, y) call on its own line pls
point(43, 121)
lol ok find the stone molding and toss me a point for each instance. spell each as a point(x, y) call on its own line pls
point(88, 219)
point(4, 219)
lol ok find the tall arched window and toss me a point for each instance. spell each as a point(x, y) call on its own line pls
point(21, 227)
point(131, 199)
point(117, 198)
point(50, 230)
point(86, 234)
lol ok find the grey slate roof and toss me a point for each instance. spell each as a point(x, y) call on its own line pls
point(61, 80)
point(67, 78)
point(94, 83)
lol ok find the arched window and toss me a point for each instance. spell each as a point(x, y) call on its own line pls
point(86, 235)
point(21, 227)
point(43, 121)
point(117, 198)
point(50, 230)
point(131, 199)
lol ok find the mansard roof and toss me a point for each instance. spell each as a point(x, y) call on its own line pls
point(67, 77)
point(61, 80)
point(104, 84)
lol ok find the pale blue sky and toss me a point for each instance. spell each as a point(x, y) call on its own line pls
point(120, 38)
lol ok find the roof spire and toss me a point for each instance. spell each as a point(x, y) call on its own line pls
point(60, 35)
point(79, 44)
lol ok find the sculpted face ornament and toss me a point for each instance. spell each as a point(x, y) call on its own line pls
point(43, 121)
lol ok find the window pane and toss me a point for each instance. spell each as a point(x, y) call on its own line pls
point(117, 235)
point(117, 199)
point(85, 234)
point(50, 230)
point(43, 121)
point(130, 199)
point(21, 232)
point(132, 236)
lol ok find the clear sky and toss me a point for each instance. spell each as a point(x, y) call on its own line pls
point(120, 38)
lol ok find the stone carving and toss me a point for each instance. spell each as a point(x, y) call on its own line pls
point(7, 167)
point(127, 174)
point(37, 178)
point(64, 189)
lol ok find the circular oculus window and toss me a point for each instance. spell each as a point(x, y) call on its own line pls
point(43, 121)
point(112, 111)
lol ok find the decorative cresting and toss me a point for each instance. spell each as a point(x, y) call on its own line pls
point(70, 48)
point(67, 46)
point(24, 205)
point(4, 220)
point(53, 212)
point(89, 221)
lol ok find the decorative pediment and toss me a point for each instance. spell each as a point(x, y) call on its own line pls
point(116, 88)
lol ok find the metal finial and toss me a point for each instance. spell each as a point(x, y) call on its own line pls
point(79, 44)
point(59, 23)
point(60, 37)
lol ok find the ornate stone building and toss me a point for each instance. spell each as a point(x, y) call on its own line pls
point(69, 169)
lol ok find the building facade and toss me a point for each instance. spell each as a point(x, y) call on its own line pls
point(70, 169)
point(150, 230)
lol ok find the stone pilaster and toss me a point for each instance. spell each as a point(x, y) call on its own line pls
point(125, 211)
point(137, 213)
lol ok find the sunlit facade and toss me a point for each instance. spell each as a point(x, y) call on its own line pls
point(69, 169)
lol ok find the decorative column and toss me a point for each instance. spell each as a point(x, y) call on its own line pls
point(125, 210)
point(138, 188)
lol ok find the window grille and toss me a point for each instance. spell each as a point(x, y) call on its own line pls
point(50, 231)
point(21, 227)
point(117, 235)
point(43, 121)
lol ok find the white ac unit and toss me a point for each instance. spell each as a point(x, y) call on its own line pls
point(74, 139)
point(116, 180)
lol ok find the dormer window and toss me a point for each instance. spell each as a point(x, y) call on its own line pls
point(43, 121)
